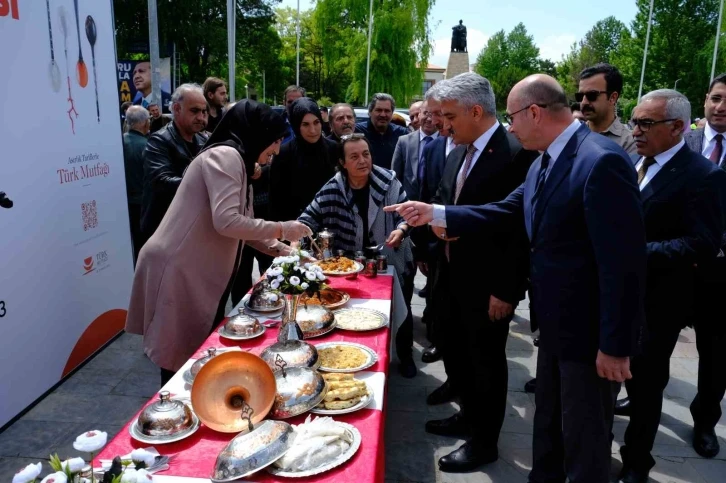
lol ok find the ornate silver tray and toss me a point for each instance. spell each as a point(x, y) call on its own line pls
point(139, 436)
point(372, 356)
point(355, 445)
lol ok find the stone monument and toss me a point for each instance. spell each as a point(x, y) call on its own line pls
point(459, 57)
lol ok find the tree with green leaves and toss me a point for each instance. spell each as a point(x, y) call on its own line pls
point(600, 44)
point(400, 45)
point(198, 29)
point(507, 59)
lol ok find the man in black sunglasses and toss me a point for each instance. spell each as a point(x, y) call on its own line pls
point(598, 92)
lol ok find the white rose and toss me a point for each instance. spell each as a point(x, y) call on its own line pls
point(307, 266)
point(280, 279)
point(276, 261)
point(275, 285)
point(321, 276)
point(297, 268)
point(74, 465)
point(90, 441)
point(274, 272)
point(310, 276)
point(304, 285)
point(141, 455)
point(273, 297)
point(57, 477)
point(296, 258)
point(129, 476)
point(294, 280)
point(143, 476)
point(29, 473)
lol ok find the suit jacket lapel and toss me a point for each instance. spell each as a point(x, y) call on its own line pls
point(488, 162)
point(562, 167)
point(414, 155)
point(667, 174)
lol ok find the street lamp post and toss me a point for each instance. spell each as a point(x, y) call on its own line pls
point(675, 85)
point(247, 91)
point(645, 50)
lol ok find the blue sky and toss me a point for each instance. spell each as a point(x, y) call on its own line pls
point(555, 24)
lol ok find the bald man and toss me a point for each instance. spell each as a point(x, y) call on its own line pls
point(580, 207)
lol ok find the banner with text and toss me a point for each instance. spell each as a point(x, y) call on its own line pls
point(66, 250)
point(134, 82)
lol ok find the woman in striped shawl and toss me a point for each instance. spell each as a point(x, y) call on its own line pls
point(351, 206)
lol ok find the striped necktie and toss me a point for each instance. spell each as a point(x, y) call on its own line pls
point(464, 172)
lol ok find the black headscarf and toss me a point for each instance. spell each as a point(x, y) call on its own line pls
point(249, 127)
point(299, 109)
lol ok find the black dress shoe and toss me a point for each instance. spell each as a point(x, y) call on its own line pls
point(407, 368)
point(453, 426)
point(705, 442)
point(622, 407)
point(431, 354)
point(468, 457)
point(535, 342)
point(630, 475)
point(441, 395)
point(530, 386)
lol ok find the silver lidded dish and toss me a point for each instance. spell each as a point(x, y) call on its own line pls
point(314, 320)
point(299, 389)
point(251, 451)
point(291, 348)
point(165, 420)
point(242, 326)
point(264, 300)
point(198, 364)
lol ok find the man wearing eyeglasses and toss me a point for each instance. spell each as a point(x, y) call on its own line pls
point(581, 212)
point(681, 192)
point(710, 286)
point(598, 92)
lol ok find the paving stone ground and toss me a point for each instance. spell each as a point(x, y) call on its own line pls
point(109, 389)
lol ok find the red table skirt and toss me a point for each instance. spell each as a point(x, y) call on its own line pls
point(195, 456)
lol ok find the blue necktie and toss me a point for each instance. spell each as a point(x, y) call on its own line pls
point(539, 187)
point(421, 172)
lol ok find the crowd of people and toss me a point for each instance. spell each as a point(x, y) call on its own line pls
point(615, 230)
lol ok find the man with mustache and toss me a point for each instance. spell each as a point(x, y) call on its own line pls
point(142, 82)
point(342, 121)
point(381, 134)
point(169, 152)
point(682, 195)
point(598, 92)
point(710, 286)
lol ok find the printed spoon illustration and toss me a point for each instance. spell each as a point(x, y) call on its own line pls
point(64, 30)
point(53, 70)
point(91, 35)
point(81, 69)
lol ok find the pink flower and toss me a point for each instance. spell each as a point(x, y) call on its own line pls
point(57, 477)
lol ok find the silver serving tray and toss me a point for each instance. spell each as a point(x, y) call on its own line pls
point(229, 335)
point(365, 401)
point(144, 438)
point(372, 356)
point(354, 446)
point(383, 319)
point(288, 401)
point(265, 310)
point(257, 451)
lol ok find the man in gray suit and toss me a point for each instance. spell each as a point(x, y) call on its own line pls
point(710, 312)
point(407, 156)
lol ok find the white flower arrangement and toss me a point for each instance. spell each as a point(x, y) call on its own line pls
point(90, 441)
point(294, 275)
point(28, 474)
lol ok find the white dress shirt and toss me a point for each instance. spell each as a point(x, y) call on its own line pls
point(660, 161)
point(450, 146)
point(480, 144)
point(554, 150)
point(709, 144)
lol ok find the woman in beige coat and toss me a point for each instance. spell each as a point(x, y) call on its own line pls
point(184, 271)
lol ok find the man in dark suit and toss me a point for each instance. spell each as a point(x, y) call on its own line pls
point(487, 164)
point(407, 157)
point(581, 210)
point(709, 316)
point(681, 192)
point(433, 160)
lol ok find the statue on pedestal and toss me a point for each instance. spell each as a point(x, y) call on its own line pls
point(458, 37)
